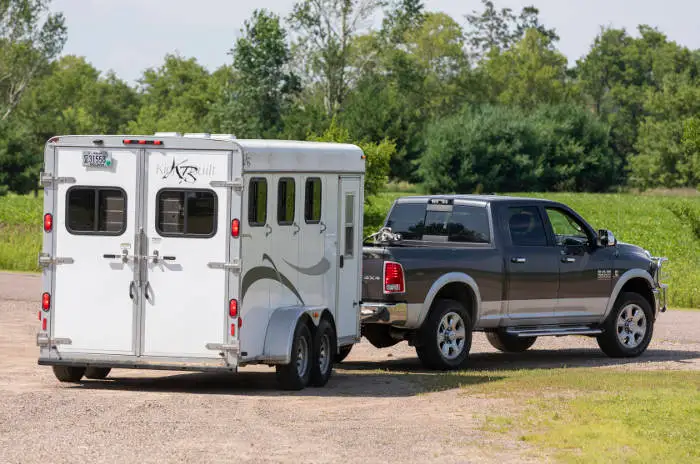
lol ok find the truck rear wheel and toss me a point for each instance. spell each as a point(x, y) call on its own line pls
point(445, 337)
point(296, 374)
point(70, 374)
point(97, 373)
point(628, 329)
point(379, 335)
point(324, 353)
point(507, 343)
point(343, 353)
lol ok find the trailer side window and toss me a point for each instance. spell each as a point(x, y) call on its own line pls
point(96, 211)
point(312, 203)
point(257, 202)
point(349, 251)
point(186, 213)
point(285, 201)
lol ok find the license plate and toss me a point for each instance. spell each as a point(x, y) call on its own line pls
point(97, 159)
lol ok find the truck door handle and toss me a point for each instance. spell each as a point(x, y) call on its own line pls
point(518, 260)
point(131, 289)
point(568, 259)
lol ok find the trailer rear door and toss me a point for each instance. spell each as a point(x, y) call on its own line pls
point(94, 225)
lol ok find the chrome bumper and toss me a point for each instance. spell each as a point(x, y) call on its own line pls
point(660, 298)
point(384, 313)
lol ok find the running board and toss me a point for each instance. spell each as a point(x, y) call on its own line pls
point(552, 331)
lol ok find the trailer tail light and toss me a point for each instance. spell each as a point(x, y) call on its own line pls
point(142, 142)
point(48, 222)
point(233, 308)
point(43, 324)
point(394, 281)
point(46, 301)
point(233, 330)
point(235, 228)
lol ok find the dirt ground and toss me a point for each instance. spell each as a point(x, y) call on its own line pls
point(374, 409)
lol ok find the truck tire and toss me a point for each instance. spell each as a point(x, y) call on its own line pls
point(97, 373)
point(343, 353)
point(69, 374)
point(379, 335)
point(296, 374)
point(325, 346)
point(445, 337)
point(629, 327)
point(507, 343)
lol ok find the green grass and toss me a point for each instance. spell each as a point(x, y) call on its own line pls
point(20, 232)
point(596, 415)
point(666, 225)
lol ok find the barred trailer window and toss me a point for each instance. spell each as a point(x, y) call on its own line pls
point(96, 211)
point(186, 213)
point(257, 202)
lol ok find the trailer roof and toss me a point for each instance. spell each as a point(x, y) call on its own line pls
point(259, 155)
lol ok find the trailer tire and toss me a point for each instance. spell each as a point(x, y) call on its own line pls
point(325, 345)
point(507, 343)
point(379, 335)
point(445, 337)
point(296, 374)
point(68, 374)
point(343, 353)
point(97, 373)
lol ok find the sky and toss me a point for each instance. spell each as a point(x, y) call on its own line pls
point(128, 36)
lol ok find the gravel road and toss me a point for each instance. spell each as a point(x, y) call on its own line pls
point(374, 409)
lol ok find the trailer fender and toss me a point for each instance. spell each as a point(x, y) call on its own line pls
point(280, 330)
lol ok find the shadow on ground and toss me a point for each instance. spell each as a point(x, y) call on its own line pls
point(401, 377)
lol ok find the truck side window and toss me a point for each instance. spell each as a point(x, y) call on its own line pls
point(567, 229)
point(469, 224)
point(257, 202)
point(526, 226)
point(312, 201)
point(186, 213)
point(96, 210)
point(407, 219)
point(285, 201)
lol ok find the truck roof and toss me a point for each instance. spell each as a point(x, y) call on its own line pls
point(492, 198)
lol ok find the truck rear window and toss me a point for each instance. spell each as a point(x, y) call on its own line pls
point(186, 213)
point(458, 223)
point(96, 211)
point(407, 219)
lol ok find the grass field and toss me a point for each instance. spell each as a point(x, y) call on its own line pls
point(595, 415)
point(666, 225)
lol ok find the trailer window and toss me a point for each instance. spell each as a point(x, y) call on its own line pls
point(312, 203)
point(349, 225)
point(96, 210)
point(285, 201)
point(257, 202)
point(186, 213)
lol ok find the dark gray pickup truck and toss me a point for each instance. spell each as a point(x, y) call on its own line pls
point(515, 268)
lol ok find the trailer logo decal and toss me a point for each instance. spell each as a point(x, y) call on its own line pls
point(186, 172)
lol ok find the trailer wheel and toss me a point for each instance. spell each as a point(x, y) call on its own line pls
point(296, 374)
point(343, 353)
point(446, 336)
point(97, 373)
point(70, 374)
point(325, 346)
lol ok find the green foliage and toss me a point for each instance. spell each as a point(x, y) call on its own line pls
point(497, 149)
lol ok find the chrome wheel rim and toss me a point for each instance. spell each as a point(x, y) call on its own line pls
point(451, 335)
point(631, 326)
point(324, 351)
point(302, 356)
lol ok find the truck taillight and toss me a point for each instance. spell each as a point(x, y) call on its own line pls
point(233, 308)
point(235, 228)
point(46, 301)
point(48, 222)
point(394, 281)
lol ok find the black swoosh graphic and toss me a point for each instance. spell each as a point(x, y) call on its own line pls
point(264, 272)
point(317, 269)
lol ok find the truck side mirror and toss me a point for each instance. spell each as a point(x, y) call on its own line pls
point(606, 238)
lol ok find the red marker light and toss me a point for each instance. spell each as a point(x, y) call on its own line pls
point(43, 324)
point(233, 330)
point(233, 308)
point(46, 301)
point(48, 222)
point(235, 228)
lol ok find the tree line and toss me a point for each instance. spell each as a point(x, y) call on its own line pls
point(481, 103)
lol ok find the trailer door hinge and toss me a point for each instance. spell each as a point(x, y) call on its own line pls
point(44, 340)
point(47, 179)
point(46, 260)
point(234, 265)
point(235, 184)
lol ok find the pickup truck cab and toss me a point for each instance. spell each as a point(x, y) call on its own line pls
point(516, 268)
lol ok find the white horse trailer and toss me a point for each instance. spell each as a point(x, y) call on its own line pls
point(201, 253)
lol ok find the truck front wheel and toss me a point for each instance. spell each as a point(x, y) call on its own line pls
point(507, 343)
point(445, 337)
point(628, 329)
point(70, 374)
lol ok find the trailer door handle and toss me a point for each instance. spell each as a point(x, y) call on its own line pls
point(297, 228)
point(169, 258)
point(131, 289)
point(342, 260)
point(323, 227)
point(518, 260)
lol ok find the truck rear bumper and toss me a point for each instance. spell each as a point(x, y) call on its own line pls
point(384, 313)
